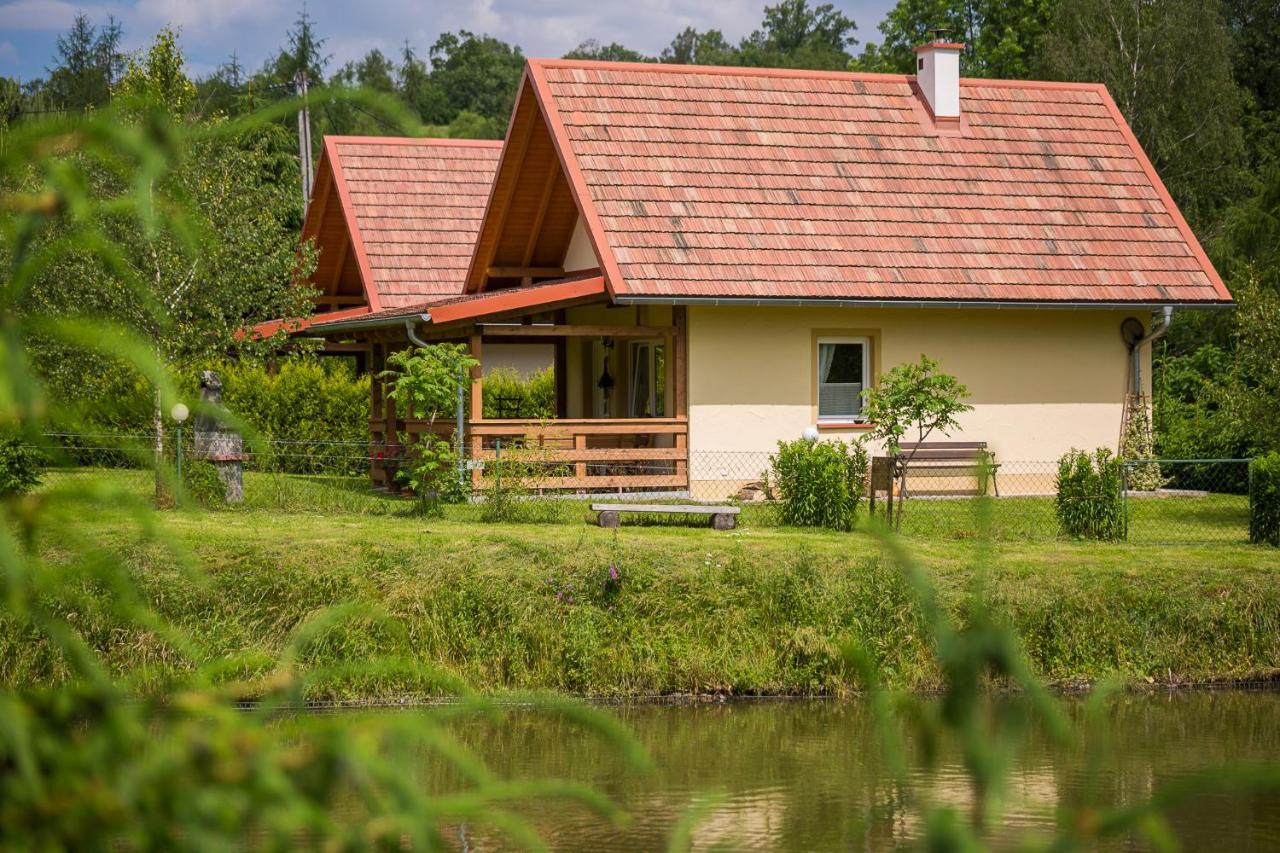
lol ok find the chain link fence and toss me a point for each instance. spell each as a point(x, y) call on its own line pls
point(1165, 501)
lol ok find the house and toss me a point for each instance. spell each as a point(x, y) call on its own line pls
point(719, 258)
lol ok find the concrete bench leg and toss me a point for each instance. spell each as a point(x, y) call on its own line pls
point(609, 519)
point(722, 521)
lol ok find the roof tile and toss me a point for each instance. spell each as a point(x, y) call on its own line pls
point(715, 182)
point(418, 204)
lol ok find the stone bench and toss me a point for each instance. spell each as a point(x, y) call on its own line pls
point(722, 517)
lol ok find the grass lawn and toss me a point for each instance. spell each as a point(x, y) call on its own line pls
point(1212, 518)
point(762, 609)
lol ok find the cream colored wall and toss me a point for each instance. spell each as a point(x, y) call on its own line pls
point(580, 255)
point(1041, 381)
point(524, 359)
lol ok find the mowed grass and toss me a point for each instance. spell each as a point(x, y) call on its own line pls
point(1173, 519)
point(763, 609)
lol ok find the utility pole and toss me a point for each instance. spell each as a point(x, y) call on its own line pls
point(304, 138)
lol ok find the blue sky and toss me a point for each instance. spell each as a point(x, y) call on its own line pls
point(211, 29)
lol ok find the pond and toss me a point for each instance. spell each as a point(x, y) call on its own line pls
point(807, 775)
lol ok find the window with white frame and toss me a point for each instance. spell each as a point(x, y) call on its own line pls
point(844, 369)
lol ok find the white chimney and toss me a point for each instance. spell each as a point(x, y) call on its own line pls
point(938, 73)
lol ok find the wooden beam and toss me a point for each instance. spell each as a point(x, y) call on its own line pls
point(476, 346)
point(575, 331)
point(526, 272)
point(553, 169)
point(336, 279)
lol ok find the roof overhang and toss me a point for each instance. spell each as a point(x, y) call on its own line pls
point(294, 325)
point(990, 304)
point(544, 297)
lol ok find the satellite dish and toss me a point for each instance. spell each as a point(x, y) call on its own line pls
point(1132, 331)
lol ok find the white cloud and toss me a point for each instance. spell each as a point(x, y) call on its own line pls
point(255, 29)
point(45, 14)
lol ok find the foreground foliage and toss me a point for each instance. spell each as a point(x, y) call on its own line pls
point(157, 757)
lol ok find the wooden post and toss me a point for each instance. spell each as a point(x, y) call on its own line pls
point(681, 340)
point(580, 466)
point(476, 346)
point(477, 378)
point(562, 377)
point(378, 363)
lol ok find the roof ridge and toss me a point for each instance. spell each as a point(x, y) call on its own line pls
point(441, 141)
point(796, 73)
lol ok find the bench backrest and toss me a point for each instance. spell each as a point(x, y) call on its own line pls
point(943, 450)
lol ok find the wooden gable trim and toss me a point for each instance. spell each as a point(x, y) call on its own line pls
point(517, 298)
point(614, 281)
point(354, 238)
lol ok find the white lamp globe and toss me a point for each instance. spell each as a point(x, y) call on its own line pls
point(179, 412)
point(810, 433)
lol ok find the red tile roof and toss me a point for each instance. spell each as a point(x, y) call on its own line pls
point(759, 183)
point(416, 205)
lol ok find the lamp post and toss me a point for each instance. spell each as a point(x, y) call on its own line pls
point(179, 413)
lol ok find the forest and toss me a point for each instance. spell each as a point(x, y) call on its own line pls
point(1198, 80)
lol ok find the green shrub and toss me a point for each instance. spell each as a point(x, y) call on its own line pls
point(1090, 499)
point(1264, 499)
point(201, 484)
point(20, 466)
point(820, 482)
point(430, 469)
point(318, 406)
point(507, 395)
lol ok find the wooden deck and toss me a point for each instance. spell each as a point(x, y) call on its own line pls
point(587, 455)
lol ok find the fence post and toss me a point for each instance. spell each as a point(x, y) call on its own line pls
point(1124, 496)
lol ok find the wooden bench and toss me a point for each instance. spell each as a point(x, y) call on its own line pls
point(942, 459)
point(722, 517)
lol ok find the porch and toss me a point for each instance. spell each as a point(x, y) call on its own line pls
point(621, 406)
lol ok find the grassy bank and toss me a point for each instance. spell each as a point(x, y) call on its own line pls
point(759, 610)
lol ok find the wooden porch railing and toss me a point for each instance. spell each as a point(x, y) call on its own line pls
point(575, 454)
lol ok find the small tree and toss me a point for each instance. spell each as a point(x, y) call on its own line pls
point(913, 396)
point(426, 382)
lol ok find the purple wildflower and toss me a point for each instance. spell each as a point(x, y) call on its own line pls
point(613, 573)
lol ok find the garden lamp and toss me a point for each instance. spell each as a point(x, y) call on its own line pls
point(179, 413)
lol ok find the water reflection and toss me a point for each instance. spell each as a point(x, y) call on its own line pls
point(809, 776)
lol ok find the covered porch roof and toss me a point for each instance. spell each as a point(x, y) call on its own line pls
point(459, 313)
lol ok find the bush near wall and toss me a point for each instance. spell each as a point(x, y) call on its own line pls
point(507, 395)
point(1090, 496)
point(312, 415)
point(821, 482)
point(1264, 499)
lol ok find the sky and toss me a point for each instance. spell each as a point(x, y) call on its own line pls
point(254, 29)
